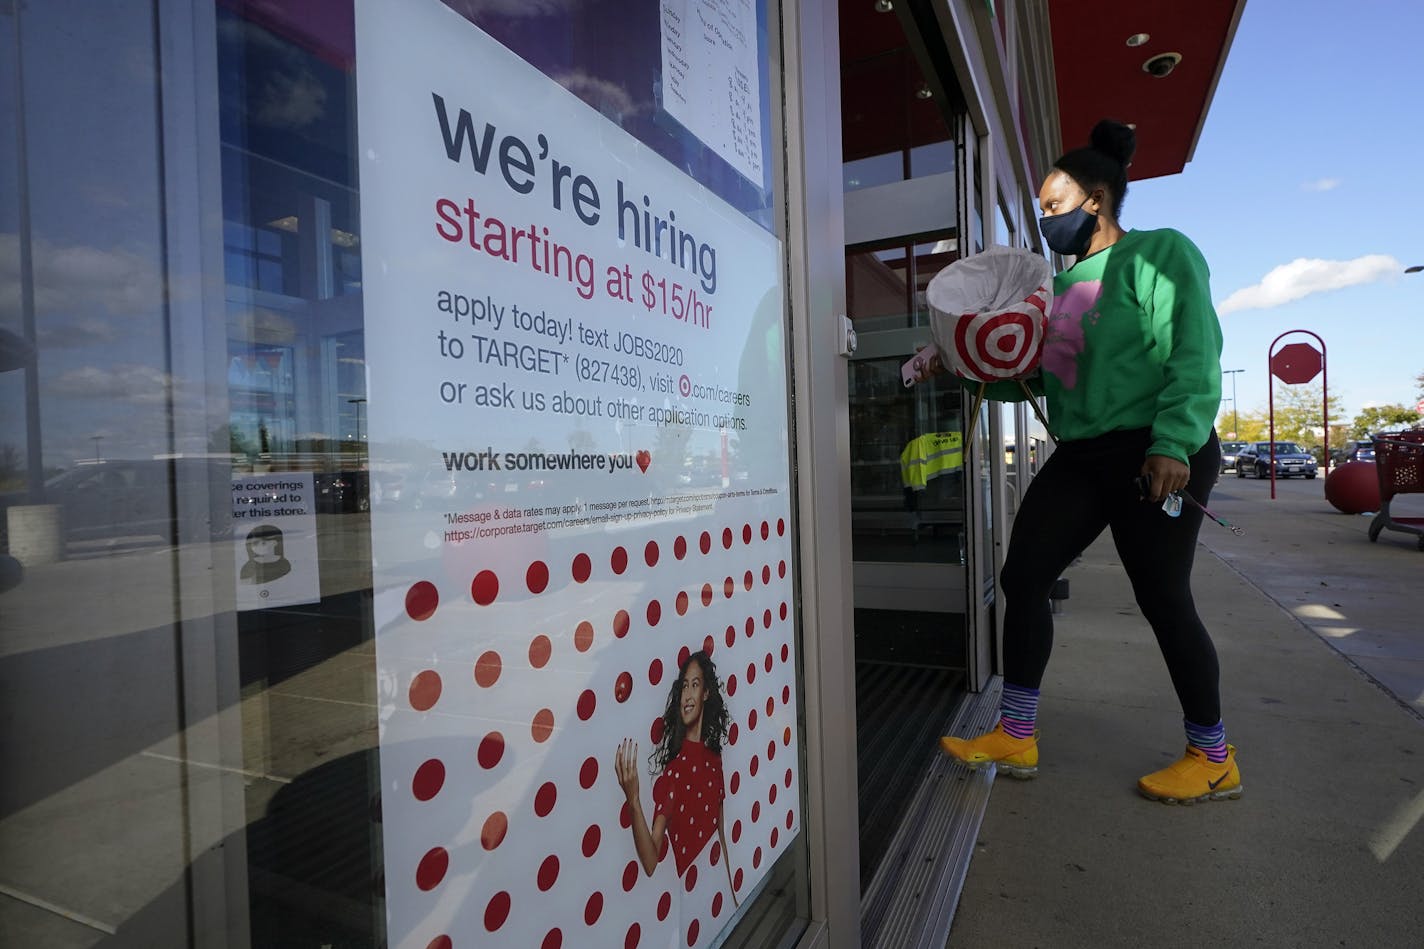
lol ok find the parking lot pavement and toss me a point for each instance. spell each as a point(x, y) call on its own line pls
point(1365, 599)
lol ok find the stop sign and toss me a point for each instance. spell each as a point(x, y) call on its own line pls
point(1296, 364)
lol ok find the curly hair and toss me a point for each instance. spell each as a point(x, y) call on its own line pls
point(714, 714)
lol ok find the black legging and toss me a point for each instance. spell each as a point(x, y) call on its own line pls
point(1086, 486)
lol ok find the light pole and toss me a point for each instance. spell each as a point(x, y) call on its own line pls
point(1235, 421)
point(358, 403)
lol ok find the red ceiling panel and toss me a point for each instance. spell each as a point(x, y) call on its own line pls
point(1100, 76)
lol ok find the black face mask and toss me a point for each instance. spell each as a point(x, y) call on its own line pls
point(1069, 233)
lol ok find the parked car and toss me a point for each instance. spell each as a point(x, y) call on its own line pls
point(343, 492)
point(1361, 450)
point(132, 498)
point(1228, 454)
point(1291, 460)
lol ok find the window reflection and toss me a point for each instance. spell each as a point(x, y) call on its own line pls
point(179, 754)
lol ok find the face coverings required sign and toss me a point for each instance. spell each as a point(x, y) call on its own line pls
point(274, 524)
point(584, 612)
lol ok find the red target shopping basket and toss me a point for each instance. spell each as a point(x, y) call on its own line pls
point(1399, 461)
point(989, 313)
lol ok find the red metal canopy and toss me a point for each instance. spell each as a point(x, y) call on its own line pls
point(1100, 76)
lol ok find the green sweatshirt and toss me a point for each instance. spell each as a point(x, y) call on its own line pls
point(1133, 342)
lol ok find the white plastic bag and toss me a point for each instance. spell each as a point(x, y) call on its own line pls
point(989, 313)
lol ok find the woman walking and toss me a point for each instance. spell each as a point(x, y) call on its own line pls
point(1132, 376)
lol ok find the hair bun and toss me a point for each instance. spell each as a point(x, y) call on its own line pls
point(1115, 140)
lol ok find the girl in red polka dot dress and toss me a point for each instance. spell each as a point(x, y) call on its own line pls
point(688, 794)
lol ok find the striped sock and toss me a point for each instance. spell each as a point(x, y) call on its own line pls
point(1209, 738)
point(1018, 710)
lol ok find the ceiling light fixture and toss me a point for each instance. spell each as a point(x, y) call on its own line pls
point(883, 6)
point(924, 92)
point(1137, 39)
point(1161, 65)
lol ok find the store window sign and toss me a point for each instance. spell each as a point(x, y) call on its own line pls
point(711, 81)
point(274, 521)
point(585, 650)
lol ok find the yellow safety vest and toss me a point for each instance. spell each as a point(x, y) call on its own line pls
point(930, 456)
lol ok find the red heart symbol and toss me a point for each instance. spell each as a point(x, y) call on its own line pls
point(644, 459)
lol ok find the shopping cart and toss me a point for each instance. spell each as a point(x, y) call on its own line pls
point(1399, 460)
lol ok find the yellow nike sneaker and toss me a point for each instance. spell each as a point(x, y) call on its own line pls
point(1193, 778)
point(1015, 756)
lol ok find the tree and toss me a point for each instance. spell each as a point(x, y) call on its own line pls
point(1250, 426)
point(1382, 418)
point(1298, 419)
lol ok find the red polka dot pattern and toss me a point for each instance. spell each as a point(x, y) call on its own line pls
point(429, 779)
point(421, 601)
point(548, 872)
point(484, 588)
point(497, 911)
point(425, 690)
point(545, 798)
point(530, 799)
point(432, 867)
point(582, 568)
point(487, 669)
point(494, 829)
point(542, 728)
point(491, 750)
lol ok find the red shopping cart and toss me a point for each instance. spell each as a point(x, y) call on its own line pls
point(1399, 461)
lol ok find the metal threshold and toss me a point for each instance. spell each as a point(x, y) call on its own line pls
point(911, 899)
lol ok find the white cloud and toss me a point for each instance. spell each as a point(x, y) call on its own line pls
point(123, 382)
point(611, 99)
point(78, 281)
point(290, 100)
point(1321, 184)
point(1305, 276)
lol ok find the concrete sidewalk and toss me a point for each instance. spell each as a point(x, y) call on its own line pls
point(1323, 849)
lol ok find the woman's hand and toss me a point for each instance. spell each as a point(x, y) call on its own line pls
point(625, 765)
point(1167, 475)
point(928, 367)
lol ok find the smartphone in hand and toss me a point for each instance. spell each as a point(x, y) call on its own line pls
point(917, 364)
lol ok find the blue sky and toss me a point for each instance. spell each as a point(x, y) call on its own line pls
point(1311, 151)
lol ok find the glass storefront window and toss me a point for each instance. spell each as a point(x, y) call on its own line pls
point(195, 700)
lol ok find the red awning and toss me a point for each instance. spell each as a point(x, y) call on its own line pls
point(1100, 76)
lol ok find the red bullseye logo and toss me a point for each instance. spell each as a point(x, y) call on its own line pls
point(1005, 345)
point(1001, 345)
